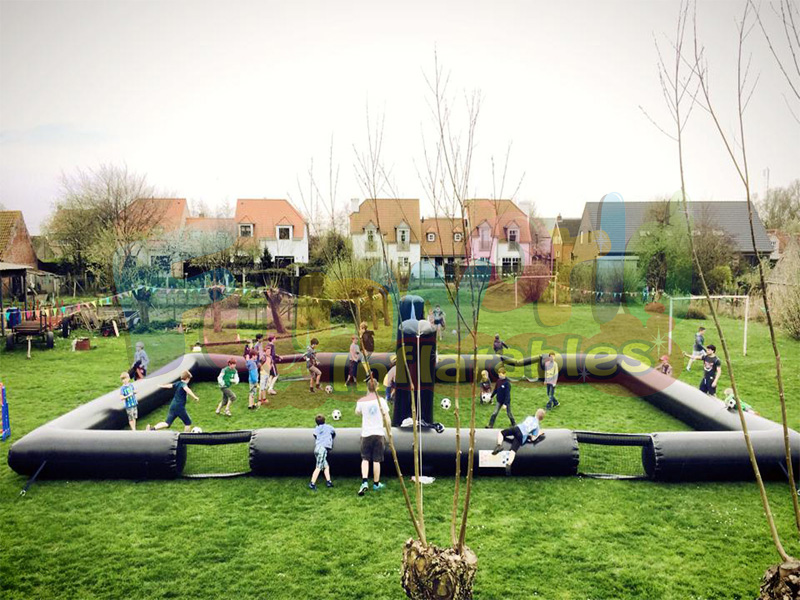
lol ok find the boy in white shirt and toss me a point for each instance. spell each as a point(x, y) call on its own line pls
point(372, 410)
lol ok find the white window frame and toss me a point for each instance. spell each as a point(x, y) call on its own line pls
point(458, 236)
point(513, 236)
point(249, 226)
point(431, 236)
point(281, 228)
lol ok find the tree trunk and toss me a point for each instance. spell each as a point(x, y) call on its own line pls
point(433, 573)
point(385, 299)
point(373, 313)
point(215, 292)
point(274, 299)
point(781, 582)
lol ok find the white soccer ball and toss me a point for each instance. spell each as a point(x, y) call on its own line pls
point(486, 397)
point(196, 430)
point(446, 403)
point(328, 389)
point(732, 404)
point(454, 332)
point(336, 414)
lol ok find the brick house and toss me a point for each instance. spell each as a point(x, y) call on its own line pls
point(15, 241)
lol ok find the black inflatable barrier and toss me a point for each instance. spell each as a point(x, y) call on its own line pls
point(717, 455)
point(76, 445)
point(290, 452)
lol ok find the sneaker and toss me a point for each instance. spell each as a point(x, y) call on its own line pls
point(217, 411)
point(273, 392)
point(362, 490)
point(228, 413)
point(555, 403)
point(378, 486)
point(312, 390)
point(329, 484)
point(319, 386)
point(498, 449)
point(312, 486)
point(548, 406)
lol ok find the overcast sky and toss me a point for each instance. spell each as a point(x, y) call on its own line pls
point(231, 99)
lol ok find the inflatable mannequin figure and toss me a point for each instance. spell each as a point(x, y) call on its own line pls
point(416, 356)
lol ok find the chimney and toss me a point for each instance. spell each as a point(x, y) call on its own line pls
point(354, 205)
point(558, 218)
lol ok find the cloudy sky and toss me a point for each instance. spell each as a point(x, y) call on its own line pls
point(218, 100)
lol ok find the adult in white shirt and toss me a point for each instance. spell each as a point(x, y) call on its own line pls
point(372, 410)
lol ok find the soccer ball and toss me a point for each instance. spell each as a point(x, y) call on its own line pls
point(446, 403)
point(337, 414)
point(454, 332)
point(196, 430)
point(732, 404)
point(328, 389)
point(486, 397)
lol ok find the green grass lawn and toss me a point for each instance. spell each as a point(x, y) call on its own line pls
point(560, 538)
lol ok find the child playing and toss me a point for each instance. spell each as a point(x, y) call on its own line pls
point(502, 391)
point(228, 377)
point(529, 431)
point(712, 369)
point(730, 402)
point(551, 380)
point(252, 379)
point(699, 349)
point(177, 408)
point(367, 339)
point(312, 365)
point(128, 396)
point(274, 359)
point(352, 366)
point(439, 321)
point(665, 367)
point(389, 380)
point(140, 361)
point(323, 443)
point(266, 370)
point(486, 387)
point(499, 344)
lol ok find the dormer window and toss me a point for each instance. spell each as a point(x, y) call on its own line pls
point(431, 236)
point(513, 235)
point(245, 230)
point(284, 233)
point(457, 237)
point(402, 239)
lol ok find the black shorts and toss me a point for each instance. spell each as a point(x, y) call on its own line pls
point(352, 369)
point(705, 386)
point(372, 448)
point(516, 435)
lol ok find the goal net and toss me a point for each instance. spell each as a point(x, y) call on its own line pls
point(737, 306)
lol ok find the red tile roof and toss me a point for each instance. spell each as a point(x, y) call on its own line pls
point(499, 214)
point(386, 214)
point(267, 214)
point(443, 229)
point(169, 214)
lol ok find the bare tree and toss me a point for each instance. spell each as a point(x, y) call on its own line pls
point(787, 13)
point(737, 152)
point(321, 207)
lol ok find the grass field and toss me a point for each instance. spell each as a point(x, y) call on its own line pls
point(559, 538)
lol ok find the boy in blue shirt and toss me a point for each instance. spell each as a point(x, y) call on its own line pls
point(128, 396)
point(323, 436)
point(529, 431)
point(251, 363)
point(177, 408)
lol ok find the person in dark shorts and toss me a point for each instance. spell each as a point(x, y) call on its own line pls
point(177, 408)
point(712, 369)
point(498, 345)
point(528, 431)
point(372, 410)
point(502, 391)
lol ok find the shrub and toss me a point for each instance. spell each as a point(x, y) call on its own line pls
point(655, 307)
point(695, 313)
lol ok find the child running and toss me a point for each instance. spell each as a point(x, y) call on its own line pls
point(252, 379)
point(128, 396)
point(313, 365)
point(502, 391)
point(499, 344)
point(486, 387)
point(352, 365)
point(177, 408)
point(228, 377)
point(323, 443)
point(699, 349)
point(551, 380)
point(527, 431)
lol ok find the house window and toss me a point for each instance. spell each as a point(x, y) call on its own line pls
point(402, 239)
point(403, 261)
point(457, 237)
point(510, 265)
point(283, 261)
point(245, 230)
point(284, 233)
point(431, 237)
point(162, 263)
point(371, 241)
point(513, 235)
